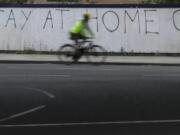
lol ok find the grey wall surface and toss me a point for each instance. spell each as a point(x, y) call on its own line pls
point(137, 30)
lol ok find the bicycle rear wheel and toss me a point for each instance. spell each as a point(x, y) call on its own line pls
point(66, 53)
point(96, 54)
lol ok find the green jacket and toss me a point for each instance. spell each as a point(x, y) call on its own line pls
point(81, 28)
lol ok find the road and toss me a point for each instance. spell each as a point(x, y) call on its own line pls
point(86, 99)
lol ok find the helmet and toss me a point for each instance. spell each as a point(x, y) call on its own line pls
point(86, 16)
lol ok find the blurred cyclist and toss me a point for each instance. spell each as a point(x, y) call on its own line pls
point(81, 29)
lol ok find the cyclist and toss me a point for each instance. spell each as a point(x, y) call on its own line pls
point(81, 29)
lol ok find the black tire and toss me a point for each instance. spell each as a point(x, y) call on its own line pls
point(96, 54)
point(66, 53)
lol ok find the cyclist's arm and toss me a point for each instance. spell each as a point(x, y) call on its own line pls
point(90, 31)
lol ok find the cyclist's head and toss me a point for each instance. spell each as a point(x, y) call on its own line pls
point(86, 16)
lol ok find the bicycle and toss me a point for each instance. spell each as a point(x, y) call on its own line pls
point(72, 53)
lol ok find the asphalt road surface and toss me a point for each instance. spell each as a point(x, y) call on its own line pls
point(88, 100)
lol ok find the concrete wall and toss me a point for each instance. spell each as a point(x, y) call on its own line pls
point(117, 29)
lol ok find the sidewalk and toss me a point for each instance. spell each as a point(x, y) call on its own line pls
point(124, 60)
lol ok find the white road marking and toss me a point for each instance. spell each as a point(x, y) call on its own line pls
point(22, 113)
point(93, 123)
point(41, 91)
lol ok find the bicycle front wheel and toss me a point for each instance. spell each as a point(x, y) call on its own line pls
point(96, 54)
point(66, 53)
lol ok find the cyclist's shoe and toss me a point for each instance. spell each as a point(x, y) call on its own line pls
point(76, 58)
point(81, 50)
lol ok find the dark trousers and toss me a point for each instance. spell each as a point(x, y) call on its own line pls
point(76, 37)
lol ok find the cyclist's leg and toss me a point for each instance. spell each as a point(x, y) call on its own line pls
point(82, 37)
point(74, 37)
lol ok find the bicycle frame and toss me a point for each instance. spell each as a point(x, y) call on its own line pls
point(81, 43)
point(81, 49)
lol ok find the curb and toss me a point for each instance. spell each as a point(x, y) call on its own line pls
point(81, 63)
